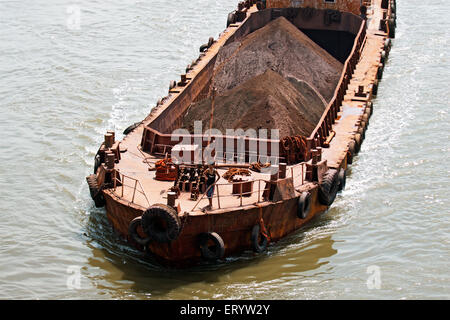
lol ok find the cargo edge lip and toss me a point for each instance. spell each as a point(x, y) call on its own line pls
point(164, 216)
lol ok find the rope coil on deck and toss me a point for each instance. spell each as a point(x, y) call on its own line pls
point(294, 149)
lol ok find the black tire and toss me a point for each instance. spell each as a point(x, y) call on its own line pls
point(210, 42)
point(383, 56)
point(352, 151)
point(368, 112)
point(365, 117)
point(260, 5)
point(387, 45)
point(132, 232)
point(362, 130)
point(259, 241)
point(131, 128)
point(97, 162)
point(214, 252)
point(394, 17)
point(304, 205)
point(172, 85)
point(370, 107)
point(391, 24)
point(204, 47)
point(161, 223)
point(231, 19)
point(95, 190)
point(329, 187)
point(375, 88)
point(342, 177)
point(380, 71)
point(358, 142)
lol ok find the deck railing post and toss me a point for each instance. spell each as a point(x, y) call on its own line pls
point(218, 196)
point(303, 173)
point(123, 184)
point(240, 192)
point(259, 190)
point(134, 191)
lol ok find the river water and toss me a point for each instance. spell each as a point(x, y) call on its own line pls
point(70, 70)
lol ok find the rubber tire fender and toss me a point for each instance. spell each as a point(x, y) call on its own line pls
point(132, 232)
point(161, 223)
point(358, 142)
point(380, 71)
point(352, 151)
point(329, 187)
point(365, 117)
point(97, 162)
point(368, 110)
point(383, 57)
point(342, 179)
point(257, 245)
point(231, 18)
point(391, 23)
point(211, 253)
point(260, 5)
point(375, 88)
point(362, 130)
point(387, 45)
point(95, 191)
point(304, 205)
point(210, 42)
point(131, 128)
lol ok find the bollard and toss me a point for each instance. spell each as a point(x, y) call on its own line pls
point(109, 140)
point(183, 80)
point(274, 173)
point(110, 158)
point(113, 135)
point(314, 156)
point(282, 171)
point(171, 196)
point(319, 154)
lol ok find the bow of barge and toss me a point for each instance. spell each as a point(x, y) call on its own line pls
point(160, 205)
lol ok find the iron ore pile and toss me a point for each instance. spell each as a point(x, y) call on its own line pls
point(275, 78)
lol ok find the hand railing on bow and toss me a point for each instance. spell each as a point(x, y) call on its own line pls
point(297, 178)
point(241, 194)
point(121, 180)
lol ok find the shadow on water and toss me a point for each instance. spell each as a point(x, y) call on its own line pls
point(124, 267)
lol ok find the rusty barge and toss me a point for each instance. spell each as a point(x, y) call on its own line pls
point(158, 200)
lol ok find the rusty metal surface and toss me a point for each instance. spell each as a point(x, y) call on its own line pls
point(341, 5)
point(342, 121)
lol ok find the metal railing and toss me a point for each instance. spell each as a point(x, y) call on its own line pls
point(240, 195)
point(119, 181)
point(323, 129)
point(299, 178)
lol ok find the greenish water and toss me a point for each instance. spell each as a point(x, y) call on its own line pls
point(62, 87)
